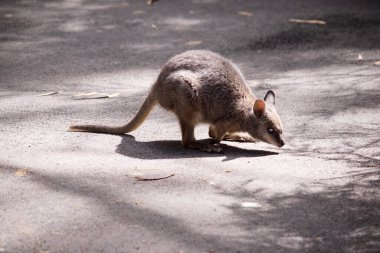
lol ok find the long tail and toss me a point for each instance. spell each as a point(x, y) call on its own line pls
point(140, 117)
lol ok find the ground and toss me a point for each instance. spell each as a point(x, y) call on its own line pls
point(79, 192)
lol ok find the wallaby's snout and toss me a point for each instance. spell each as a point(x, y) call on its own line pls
point(280, 141)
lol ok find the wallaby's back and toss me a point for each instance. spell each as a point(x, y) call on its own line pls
point(205, 82)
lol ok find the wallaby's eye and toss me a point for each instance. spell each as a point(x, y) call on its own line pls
point(270, 130)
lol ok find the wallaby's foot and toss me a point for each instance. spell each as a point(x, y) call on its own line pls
point(239, 138)
point(206, 147)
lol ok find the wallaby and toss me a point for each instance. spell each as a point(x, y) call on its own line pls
point(203, 87)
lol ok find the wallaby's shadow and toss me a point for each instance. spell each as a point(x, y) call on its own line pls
point(173, 150)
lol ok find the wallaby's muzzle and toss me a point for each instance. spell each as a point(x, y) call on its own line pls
point(280, 141)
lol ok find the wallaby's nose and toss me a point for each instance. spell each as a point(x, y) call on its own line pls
point(280, 141)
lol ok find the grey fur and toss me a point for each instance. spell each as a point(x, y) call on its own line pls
point(203, 87)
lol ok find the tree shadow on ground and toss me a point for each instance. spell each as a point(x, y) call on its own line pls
point(127, 41)
point(173, 150)
point(341, 31)
point(334, 220)
point(339, 120)
point(128, 214)
point(341, 128)
point(125, 213)
point(303, 46)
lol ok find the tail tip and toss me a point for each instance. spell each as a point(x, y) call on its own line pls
point(74, 129)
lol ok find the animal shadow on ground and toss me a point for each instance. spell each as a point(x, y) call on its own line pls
point(174, 150)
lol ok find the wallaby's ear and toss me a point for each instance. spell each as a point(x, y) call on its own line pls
point(270, 97)
point(259, 108)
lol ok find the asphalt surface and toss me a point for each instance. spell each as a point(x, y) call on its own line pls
point(81, 192)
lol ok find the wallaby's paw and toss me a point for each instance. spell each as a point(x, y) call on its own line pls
point(206, 147)
point(213, 148)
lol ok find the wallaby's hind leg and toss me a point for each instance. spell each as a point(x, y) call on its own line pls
point(189, 141)
point(217, 133)
point(212, 132)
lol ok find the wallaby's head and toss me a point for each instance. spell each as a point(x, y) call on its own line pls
point(266, 125)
